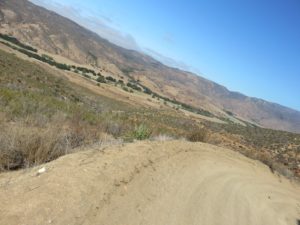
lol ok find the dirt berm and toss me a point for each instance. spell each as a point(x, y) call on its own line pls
point(155, 183)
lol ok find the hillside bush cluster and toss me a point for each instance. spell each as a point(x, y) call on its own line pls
point(17, 42)
point(85, 71)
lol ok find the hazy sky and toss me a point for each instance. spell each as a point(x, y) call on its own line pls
point(250, 46)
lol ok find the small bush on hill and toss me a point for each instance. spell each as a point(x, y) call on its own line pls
point(101, 79)
point(134, 87)
point(198, 135)
point(125, 89)
point(147, 91)
point(109, 78)
point(141, 132)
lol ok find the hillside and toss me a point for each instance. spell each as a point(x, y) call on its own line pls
point(58, 35)
point(69, 154)
point(46, 113)
point(150, 183)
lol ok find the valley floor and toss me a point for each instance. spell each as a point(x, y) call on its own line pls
point(157, 183)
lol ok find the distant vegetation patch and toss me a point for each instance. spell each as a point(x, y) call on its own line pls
point(84, 70)
point(17, 42)
point(101, 79)
point(133, 85)
point(111, 79)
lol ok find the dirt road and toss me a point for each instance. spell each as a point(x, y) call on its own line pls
point(175, 183)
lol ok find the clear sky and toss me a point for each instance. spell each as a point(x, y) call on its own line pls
point(250, 46)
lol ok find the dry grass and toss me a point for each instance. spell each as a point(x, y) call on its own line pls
point(266, 158)
point(23, 145)
point(198, 135)
point(162, 138)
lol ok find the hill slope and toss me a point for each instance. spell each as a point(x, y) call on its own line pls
point(56, 34)
point(163, 183)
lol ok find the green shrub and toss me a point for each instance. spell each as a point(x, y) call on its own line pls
point(101, 79)
point(134, 87)
point(109, 78)
point(125, 89)
point(85, 70)
point(87, 76)
point(141, 132)
point(147, 91)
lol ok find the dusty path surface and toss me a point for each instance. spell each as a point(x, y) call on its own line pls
point(175, 183)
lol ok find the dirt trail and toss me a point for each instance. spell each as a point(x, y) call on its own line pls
point(176, 183)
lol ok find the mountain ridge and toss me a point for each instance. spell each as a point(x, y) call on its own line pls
point(56, 34)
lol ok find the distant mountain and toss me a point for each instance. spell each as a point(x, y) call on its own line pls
point(56, 34)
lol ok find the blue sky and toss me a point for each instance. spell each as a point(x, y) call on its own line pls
point(250, 46)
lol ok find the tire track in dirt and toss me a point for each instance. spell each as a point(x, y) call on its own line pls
point(174, 183)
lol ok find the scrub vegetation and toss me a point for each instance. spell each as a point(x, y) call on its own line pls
point(43, 116)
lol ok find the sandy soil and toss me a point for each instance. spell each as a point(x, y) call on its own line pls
point(149, 183)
